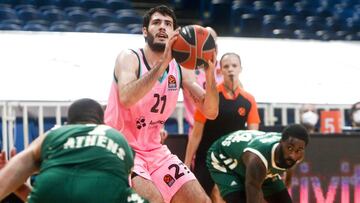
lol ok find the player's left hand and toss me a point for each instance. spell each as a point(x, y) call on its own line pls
point(163, 135)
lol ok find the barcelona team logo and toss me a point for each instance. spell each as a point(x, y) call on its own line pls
point(169, 180)
point(172, 83)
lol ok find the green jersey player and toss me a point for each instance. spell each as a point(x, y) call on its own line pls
point(83, 161)
point(247, 165)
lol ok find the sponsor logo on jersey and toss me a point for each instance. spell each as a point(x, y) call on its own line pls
point(157, 122)
point(172, 83)
point(242, 111)
point(140, 122)
point(169, 180)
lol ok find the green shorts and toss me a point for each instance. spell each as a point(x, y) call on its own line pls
point(81, 186)
point(231, 182)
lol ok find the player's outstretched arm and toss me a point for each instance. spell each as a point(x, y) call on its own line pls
point(193, 142)
point(255, 175)
point(206, 101)
point(18, 169)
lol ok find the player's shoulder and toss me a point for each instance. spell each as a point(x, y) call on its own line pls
point(266, 139)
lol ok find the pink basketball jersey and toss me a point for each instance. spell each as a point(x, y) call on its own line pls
point(142, 122)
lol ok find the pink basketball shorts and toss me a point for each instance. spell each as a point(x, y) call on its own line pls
point(164, 169)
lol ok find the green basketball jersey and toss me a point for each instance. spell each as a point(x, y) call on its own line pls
point(225, 154)
point(84, 163)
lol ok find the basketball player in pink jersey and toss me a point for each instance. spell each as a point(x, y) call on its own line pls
point(200, 79)
point(143, 95)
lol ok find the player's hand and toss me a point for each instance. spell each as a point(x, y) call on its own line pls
point(3, 159)
point(167, 57)
point(163, 135)
point(211, 63)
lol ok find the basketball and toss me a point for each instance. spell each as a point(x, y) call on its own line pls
point(193, 47)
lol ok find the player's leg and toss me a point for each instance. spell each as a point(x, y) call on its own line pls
point(177, 183)
point(279, 197)
point(275, 191)
point(142, 182)
point(235, 197)
point(191, 191)
point(215, 195)
point(146, 189)
point(203, 175)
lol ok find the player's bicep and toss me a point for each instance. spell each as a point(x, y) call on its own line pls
point(255, 169)
point(126, 68)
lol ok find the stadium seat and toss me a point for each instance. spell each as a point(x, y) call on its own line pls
point(78, 16)
point(31, 2)
point(118, 4)
point(293, 22)
point(49, 7)
point(239, 8)
point(28, 13)
point(60, 28)
point(89, 4)
point(9, 26)
point(69, 3)
point(113, 28)
point(324, 35)
point(283, 8)
point(53, 14)
point(269, 23)
point(86, 27)
point(135, 28)
point(263, 8)
point(282, 33)
point(304, 34)
point(127, 17)
point(220, 13)
point(63, 22)
point(102, 16)
point(315, 23)
point(7, 13)
point(35, 27)
point(250, 25)
point(57, 3)
point(12, 21)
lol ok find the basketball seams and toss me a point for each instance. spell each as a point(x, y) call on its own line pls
point(188, 49)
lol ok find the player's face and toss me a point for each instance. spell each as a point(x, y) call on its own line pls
point(230, 67)
point(292, 150)
point(159, 31)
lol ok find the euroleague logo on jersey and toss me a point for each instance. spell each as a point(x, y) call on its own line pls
point(242, 111)
point(169, 180)
point(172, 83)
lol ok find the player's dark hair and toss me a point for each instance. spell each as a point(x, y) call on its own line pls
point(297, 131)
point(227, 54)
point(164, 10)
point(85, 111)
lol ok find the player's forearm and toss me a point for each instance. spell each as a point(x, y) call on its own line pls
point(15, 173)
point(253, 193)
point(211, 99)
point(23, 192)
point(132, 92)
point(191, 148)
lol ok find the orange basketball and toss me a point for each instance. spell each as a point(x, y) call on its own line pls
point(193, 47)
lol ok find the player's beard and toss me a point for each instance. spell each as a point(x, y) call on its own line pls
point(156, 47)
point(283, 162)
